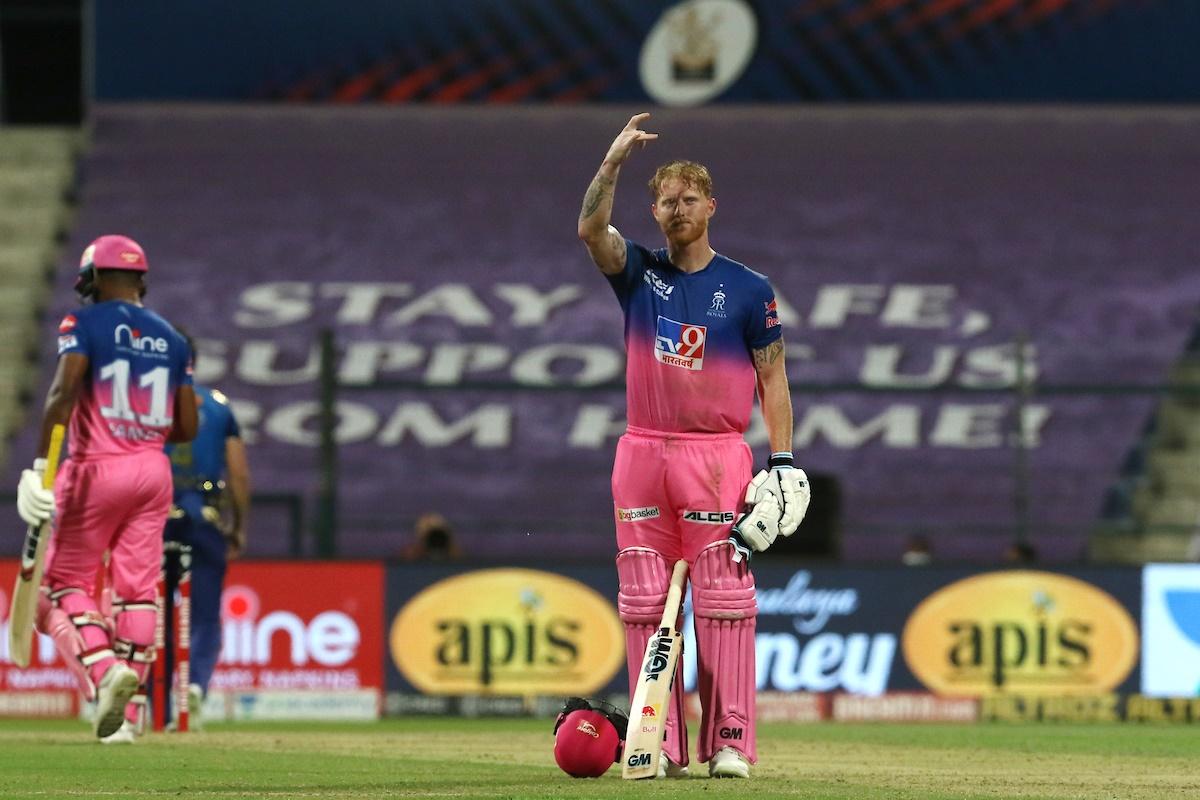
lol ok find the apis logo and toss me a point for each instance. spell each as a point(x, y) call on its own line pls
point(1026, 631)
point(135, 340)
point(507, 631)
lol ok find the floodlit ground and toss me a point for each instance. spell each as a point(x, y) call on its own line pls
point(452, 758)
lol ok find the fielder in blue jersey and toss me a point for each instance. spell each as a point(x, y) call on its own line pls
point(211, 474)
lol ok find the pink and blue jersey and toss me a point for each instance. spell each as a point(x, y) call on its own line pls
point(688, 338)
point(136, 363)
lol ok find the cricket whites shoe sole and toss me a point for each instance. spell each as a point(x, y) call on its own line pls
point(114, 691)
point(126, 734)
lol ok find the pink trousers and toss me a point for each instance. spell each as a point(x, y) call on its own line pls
point(677, 496)
point(119, 504)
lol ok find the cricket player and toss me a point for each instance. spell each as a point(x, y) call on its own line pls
point(123, 387)
point(701, 335)
point(200, 469)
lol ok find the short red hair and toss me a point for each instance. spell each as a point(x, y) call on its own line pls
point(689, 172)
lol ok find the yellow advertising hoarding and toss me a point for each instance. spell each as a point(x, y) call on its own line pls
point(1021, 632)
point(508, 632)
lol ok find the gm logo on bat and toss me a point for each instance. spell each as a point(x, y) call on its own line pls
point(656, 662)
point(680, 345)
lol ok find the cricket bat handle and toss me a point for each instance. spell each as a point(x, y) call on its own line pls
point(674, 595)
point(29, 579)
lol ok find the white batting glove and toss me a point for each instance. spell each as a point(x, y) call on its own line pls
point(756, 529)
point(790, 487)
point(34, 503)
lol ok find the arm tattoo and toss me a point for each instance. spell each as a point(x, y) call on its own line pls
point(596, 193)
point(768, 355)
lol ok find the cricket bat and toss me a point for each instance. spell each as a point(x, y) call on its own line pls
point(652, 697)
point(33, 560)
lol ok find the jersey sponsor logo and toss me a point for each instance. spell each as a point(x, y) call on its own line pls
point(709, 517)
point(134, 340)
point(68, 324)
point(634, 514)
point(680, 345)
point(660, 287)
point(772, 314)
point(67, 342)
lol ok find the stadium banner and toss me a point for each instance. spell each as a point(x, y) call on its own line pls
point(296, 628)
point(503, 631)
point(685, 52)
point(1171, 630)
point(952, 633)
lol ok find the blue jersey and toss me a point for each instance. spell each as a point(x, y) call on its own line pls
point(137, 361)
point(197, 466)
point(689, 337)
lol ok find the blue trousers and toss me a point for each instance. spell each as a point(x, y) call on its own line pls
point(208, 578)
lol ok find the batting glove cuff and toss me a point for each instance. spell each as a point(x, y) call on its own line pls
point(781, 460)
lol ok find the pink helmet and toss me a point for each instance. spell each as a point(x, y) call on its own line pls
point(108, 252)
point(586, 739)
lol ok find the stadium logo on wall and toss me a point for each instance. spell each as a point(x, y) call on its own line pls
point(1020, 632)
point(1171, 630)
point(697, 50)
point(508, 631)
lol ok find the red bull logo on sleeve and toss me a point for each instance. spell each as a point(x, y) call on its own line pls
point(772, 314)
point(680, 345)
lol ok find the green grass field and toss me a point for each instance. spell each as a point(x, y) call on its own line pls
point(434, 758)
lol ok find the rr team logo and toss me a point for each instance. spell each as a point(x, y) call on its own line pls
point(680, 345)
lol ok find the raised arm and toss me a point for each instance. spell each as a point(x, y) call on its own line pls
point(603, 241)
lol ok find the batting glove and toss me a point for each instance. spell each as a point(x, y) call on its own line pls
point(790, 487)
point(756, 529)
point(35, 504)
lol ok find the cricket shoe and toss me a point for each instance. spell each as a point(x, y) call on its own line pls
point(728, 763)
point(195, 704)
point(126, 734)
point(669, 769)
point(114, 691)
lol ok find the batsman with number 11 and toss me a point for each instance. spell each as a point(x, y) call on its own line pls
point(122, 387)
point(702, 334)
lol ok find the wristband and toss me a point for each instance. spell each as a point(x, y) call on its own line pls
point(781, 460)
